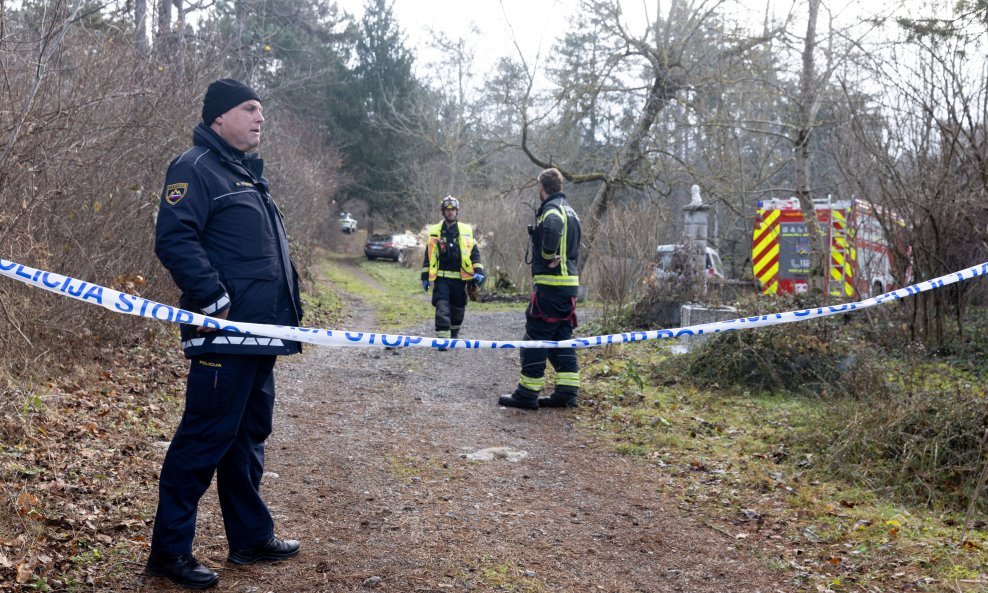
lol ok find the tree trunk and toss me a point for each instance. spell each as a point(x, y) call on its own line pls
point(630, 155)
point(141, 27)
point(163, 34)
point(180, 12)
point(808, 103)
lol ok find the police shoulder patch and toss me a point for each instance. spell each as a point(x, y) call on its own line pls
point(175, 192)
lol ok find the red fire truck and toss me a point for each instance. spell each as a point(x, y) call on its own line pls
point(860, 258)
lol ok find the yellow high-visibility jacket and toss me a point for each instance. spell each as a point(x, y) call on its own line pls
point(469, 254)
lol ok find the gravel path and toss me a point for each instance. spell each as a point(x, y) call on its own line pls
point(368, 469)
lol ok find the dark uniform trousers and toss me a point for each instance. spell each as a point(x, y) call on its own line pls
point(229, 403)
point(449, 297)
point(551, 315)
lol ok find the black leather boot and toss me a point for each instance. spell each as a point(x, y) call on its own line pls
point(270, 551)
point(519, 399)
point(183, 570)
point(558, 400)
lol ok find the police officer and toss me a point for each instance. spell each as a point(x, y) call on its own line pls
point(452, 260)
point(223, 240)
point(551, 313)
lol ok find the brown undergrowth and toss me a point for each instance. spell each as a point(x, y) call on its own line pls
point(76, 478)
point(792, 467)
point(79, 458)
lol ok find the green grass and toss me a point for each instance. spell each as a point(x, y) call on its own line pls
point(322, 306)
point(504, 577)
point(395, 292)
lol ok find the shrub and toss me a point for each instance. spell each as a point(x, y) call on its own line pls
point(926, 446)
point(807, 359)
point(81, 173)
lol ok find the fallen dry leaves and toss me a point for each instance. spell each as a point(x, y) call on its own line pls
point(76, 472)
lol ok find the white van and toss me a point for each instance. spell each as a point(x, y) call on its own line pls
point(671, 260)
point(347, 223)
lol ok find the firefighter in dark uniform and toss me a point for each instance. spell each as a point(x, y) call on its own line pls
point(223, 240)
point(451, 264)
point(551, 313)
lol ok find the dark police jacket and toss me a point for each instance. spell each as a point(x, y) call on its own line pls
point(222, 238)
point(556, 235)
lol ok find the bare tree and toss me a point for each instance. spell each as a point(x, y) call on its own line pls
point(813, 87)
point(675, 52)
point(443, 120)
point(87, 131)
point(163, 30)
point(807, 105)
point(925, 136)
point(140, 27)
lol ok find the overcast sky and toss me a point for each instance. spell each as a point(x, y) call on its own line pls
point(535, 24)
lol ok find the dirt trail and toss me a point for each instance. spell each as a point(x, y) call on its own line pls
point(367, 468)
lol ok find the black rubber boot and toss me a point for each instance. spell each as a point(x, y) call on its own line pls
point(518, 399)
point(558, 400)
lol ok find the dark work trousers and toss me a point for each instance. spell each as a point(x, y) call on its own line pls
point(449, 297)
point(229, 402)
point(551, 315)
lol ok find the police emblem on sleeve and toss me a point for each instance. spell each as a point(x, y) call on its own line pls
point(175, 192)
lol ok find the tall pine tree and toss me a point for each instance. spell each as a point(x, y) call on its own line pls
point(378, 151)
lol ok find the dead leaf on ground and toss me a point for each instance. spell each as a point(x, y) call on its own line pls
point(25, 571)
point(26, 503)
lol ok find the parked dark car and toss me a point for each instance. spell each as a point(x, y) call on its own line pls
point(383, 246)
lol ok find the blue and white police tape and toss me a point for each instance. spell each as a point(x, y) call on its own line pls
point(120, 302)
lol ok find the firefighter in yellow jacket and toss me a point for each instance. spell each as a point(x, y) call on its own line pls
point(452, 262)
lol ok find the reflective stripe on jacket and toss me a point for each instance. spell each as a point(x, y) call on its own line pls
point(468, 254)
point(556, 235)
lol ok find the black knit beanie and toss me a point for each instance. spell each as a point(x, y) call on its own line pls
point(222, 96)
